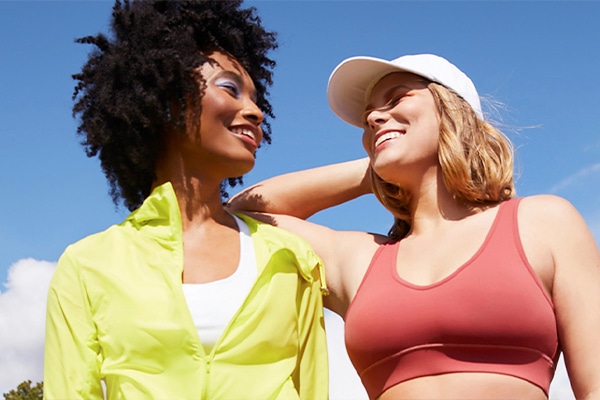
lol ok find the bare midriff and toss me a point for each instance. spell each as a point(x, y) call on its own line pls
point(465, 385)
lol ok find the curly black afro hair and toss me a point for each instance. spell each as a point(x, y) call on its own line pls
point(126, 89)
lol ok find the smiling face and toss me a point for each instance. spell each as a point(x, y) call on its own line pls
point(401, 126)
point(222, 143)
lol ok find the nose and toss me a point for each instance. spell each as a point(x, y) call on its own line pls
point(252, 112)
point(376, 118)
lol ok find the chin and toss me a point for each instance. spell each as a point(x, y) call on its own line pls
point(243, 169)
point(385, 170)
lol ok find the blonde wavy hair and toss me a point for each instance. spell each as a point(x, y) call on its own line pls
point(476, 160)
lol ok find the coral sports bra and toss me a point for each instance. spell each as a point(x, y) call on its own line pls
point(490, 315)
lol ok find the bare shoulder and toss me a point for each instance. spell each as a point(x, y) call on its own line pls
point(548, 210)
point(552, 223)
point(547, 202)
point(544, 221)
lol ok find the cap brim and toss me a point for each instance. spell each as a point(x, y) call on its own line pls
point(350, 82)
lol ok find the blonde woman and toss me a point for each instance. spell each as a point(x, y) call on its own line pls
point(475, 292)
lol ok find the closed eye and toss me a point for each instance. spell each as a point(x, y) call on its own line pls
point(386, 107)
point(393, 102)
point(232, 88)
point(229, 85)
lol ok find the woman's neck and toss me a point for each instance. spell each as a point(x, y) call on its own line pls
point(199, 200)
point(433, 206)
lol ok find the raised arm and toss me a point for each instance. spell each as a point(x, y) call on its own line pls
point(291, 198)
point(304, 193)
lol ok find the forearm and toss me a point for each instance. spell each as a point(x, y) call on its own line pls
point(303, 193)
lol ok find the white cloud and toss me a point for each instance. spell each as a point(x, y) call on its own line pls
point(22, 319)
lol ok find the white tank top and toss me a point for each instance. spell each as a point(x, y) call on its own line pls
point(213, 304)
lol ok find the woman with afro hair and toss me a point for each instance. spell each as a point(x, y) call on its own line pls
point(183, 299)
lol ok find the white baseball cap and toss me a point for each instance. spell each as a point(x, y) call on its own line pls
point(352, 80)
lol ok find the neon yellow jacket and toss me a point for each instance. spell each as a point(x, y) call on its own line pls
point(116, 312)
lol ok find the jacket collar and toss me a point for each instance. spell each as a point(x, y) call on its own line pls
point(160, 217)
point(159, 213)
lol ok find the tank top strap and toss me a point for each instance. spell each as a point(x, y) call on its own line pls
point(511, 205)
point(506, 219)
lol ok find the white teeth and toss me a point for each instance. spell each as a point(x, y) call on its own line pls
point(245, 132)
point(386, 136)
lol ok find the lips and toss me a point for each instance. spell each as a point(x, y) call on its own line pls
point(249, 135)
point(385, 136)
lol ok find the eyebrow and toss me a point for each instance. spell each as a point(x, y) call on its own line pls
point(238, 79)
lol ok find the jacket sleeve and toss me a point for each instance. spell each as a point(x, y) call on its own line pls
point(71, 351)
point(312, 371)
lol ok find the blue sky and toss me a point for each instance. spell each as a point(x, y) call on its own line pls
point(538, 59)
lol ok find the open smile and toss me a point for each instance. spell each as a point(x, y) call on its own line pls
point(247, 134)
point(388, 135)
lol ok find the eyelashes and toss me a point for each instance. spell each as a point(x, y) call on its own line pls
point(386, 107)
point(231, 88)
